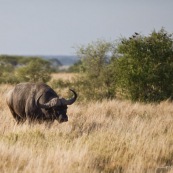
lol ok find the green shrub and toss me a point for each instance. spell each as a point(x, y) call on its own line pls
point(37, 70)
point(145, 67)
point(14, 69)
point(96, 80)
point(7, 73)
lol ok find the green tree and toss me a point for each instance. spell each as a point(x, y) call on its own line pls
point(7, 74)
point(145, 66)
point(96, 81)
point(37, 70)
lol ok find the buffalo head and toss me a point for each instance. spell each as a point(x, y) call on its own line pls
point(57, 107)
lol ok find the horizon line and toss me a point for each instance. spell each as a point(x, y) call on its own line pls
point(37, 55)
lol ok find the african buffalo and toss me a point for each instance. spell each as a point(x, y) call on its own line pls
point(37, 102)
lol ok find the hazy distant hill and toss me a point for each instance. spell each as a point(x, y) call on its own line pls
point(65, 60)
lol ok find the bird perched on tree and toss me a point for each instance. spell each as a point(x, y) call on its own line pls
point(136, 33)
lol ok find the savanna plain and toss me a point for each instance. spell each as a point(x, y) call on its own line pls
point(115, 136)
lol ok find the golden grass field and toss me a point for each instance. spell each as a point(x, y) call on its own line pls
point(63, 76)
point(110, 136)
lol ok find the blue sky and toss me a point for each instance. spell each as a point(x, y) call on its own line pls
point(56, 27)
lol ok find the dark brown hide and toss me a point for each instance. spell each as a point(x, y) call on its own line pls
point(37, 102)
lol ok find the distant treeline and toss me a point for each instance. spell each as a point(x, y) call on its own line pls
point(14, 69)
point(16, 61)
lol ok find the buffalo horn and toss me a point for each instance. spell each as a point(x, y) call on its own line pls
point(57, 102)
point(70, 101)
point(53, 102)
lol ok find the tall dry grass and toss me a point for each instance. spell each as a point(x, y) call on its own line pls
point(108, 136)
point(63, 76)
